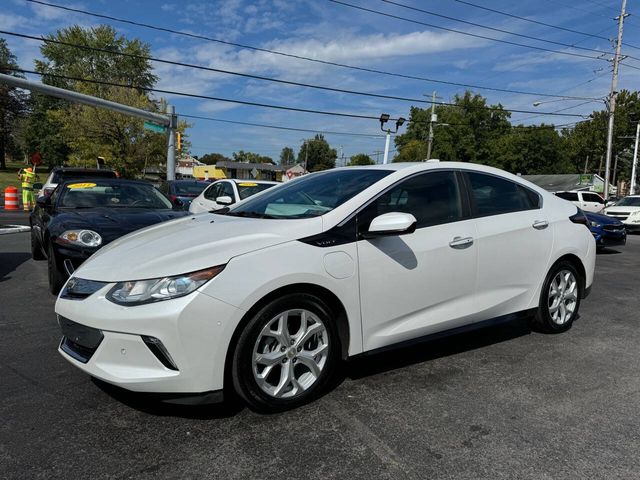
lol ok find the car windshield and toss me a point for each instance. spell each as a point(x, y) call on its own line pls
point(95, 193)
point(247, 189)
point(629, 202)
point(190, 188)
point(311, 195)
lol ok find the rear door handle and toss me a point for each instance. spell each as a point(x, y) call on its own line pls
point(540, 224)
point(460, 243)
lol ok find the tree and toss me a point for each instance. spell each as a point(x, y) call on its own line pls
point(318, 154)
point(361, 159)
point(287, 156)
point(250, 157)
point(13, 104)
point(86, 132)
point(213, 158)
point(465, 131)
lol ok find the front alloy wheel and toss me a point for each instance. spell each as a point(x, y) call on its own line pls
point(286, 353)
point(290, 353)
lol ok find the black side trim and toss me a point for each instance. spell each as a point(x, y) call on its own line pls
point(341, 234)
point(448, 333)
point(160, 351)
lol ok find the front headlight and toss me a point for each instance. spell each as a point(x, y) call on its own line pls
point(81, 238)
point(595, 224)
point(140, 292)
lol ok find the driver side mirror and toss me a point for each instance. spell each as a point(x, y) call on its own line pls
point(224, 200)
point(394, 223)
point(44, 202)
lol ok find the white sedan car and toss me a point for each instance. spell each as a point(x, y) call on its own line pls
point(269, 297)
point(223, 193)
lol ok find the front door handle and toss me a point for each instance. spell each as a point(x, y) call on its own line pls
point(540, 224)
point(459, 243)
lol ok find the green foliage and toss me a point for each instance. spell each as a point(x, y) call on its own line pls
point(13, 105)
point(213, 158)
point(361, 159)
point(250, 157)
point(287, 156)
point(77, 134)
point(318, 154)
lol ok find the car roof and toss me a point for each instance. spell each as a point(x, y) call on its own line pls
point(186, 180)
point(266, 182)
point(125, 181)
point(82, 170)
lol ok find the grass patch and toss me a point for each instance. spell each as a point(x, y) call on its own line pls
point(10, 176)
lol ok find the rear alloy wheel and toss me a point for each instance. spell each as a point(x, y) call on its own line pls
point(286, 354)
point(559, 299)
point(36, 251)
point(56, 277)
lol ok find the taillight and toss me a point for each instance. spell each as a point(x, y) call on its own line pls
point(580, 217)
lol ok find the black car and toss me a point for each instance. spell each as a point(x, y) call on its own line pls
point(81, 216)
point(182, 192)
point(63, 174)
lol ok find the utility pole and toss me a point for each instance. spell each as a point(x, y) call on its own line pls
point(306, 155)
point(635, 162)
point(432, 119)
point(586, 165)
point(612, 98)
point(171, 142)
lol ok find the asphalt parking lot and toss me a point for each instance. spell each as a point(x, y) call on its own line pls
point(499, 403)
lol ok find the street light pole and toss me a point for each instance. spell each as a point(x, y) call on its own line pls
point(635, 162)
point(384, 118)
point(612, 98)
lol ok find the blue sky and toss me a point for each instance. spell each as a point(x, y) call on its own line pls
point(328, 31)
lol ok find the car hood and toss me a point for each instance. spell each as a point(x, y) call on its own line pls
point(190, 244)
point(111, 223)
point(617, 208)
point(603, 219)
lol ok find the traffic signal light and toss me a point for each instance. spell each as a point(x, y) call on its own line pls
point(178, 141)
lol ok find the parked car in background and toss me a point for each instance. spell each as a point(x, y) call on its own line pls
point(62, 174)
point(607, 231)
point(81, 216)
point(627, 211)
point(268, 297)
point(585, 201)
point(224, 193)
point(182, 192)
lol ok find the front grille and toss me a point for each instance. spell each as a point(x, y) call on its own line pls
point(79, 341)
point(613, 228)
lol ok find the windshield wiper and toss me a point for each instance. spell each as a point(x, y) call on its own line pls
point(250, 215)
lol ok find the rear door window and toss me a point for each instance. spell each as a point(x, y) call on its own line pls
point(493, 195)
point(571, 196)
point(592, 197)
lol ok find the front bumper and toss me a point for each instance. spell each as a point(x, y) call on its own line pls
point(605, 238)
point(112, 344)
point(632, 227)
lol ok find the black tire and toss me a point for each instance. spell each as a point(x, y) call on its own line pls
point(242, 367)
point(57, 277)
point(36, 250)
point(542, 321)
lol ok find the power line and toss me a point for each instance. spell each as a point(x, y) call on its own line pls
point(211, 69)
point(203, 97)
point(266, 105)
point(524, 19)
point(500, 30)
point(475, 35)
point(299, 57)
point(279, 127)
